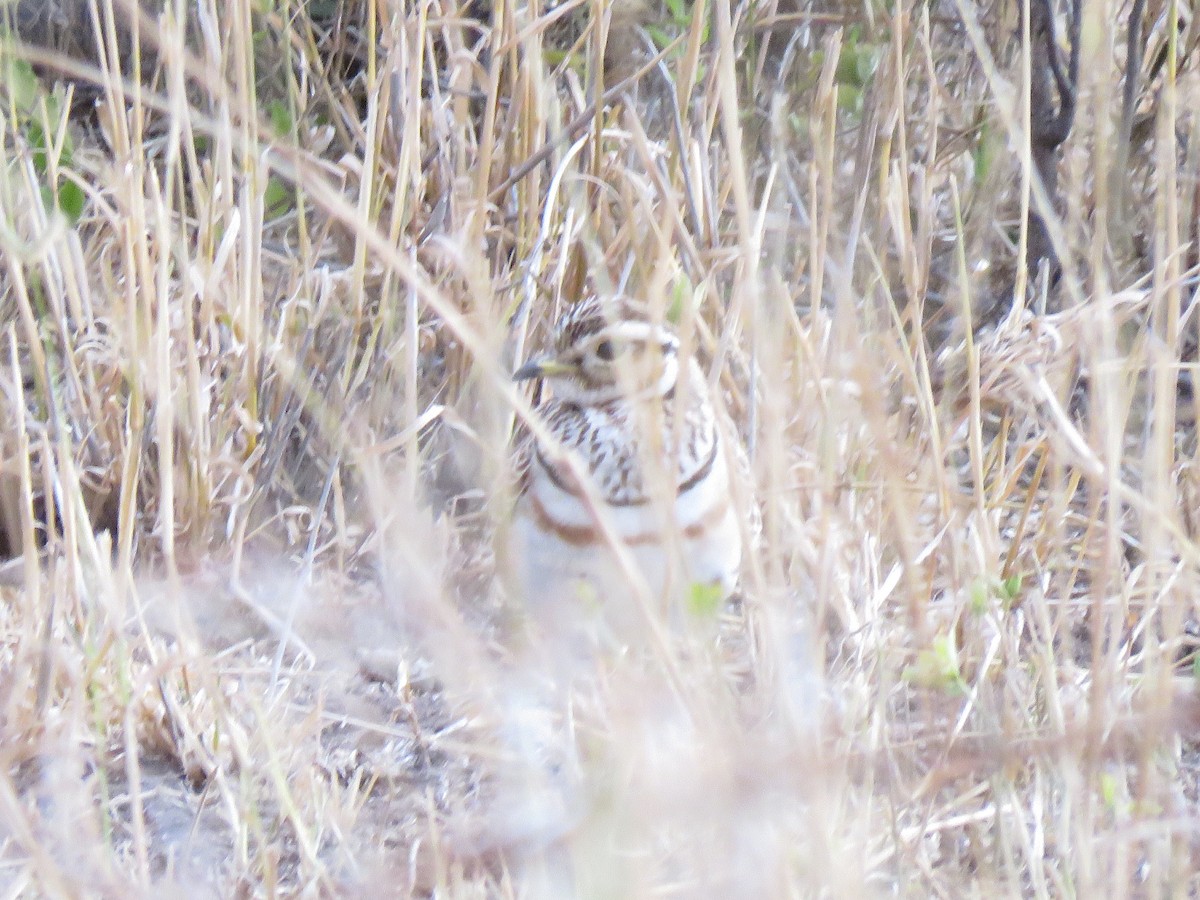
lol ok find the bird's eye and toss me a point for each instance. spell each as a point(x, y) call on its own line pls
point(606, 351)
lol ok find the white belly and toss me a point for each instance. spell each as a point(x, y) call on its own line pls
point(700, 544)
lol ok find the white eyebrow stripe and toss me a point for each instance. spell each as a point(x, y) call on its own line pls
point(631, 331)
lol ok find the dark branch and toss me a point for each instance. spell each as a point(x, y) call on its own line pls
point(1052, 95)
point(1133, 69)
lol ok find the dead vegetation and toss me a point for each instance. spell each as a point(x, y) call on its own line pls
point(264, 269)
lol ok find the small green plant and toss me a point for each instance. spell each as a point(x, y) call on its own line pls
point(705, 599)
point(282, 121)
point(988, 148)
point(681, 297)
point(1108, 790)
point(679, 18)
point(938, 667)
point(983, 591)
point(41, 119)
point(978, 595)
point(856, 66)
point(279, 198)
point(1010, 589)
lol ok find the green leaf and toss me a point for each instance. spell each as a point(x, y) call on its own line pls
point(278, 199)
point(281, 118)
point(1108, 789)
point(71, 199)
point(986, 150)
point(54, 102)
point(866, 62)
point(659, 35)
point(977, 594)
point(850, 97)
point(1011, 587)
point(705, 599)
point(40, 141)
point(23, 85)
point(857, 63)
point(679, 297)
point(36, 136)
point(937, 667)
point(847, 67)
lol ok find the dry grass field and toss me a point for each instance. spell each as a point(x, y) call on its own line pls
point(266, 267)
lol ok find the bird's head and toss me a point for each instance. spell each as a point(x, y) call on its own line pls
point(605, 350)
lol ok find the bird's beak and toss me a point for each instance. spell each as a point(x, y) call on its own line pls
point(542, 369)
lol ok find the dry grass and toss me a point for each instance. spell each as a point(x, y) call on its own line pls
point(254, 429)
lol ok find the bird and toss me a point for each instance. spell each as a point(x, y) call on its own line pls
point(633, 490)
